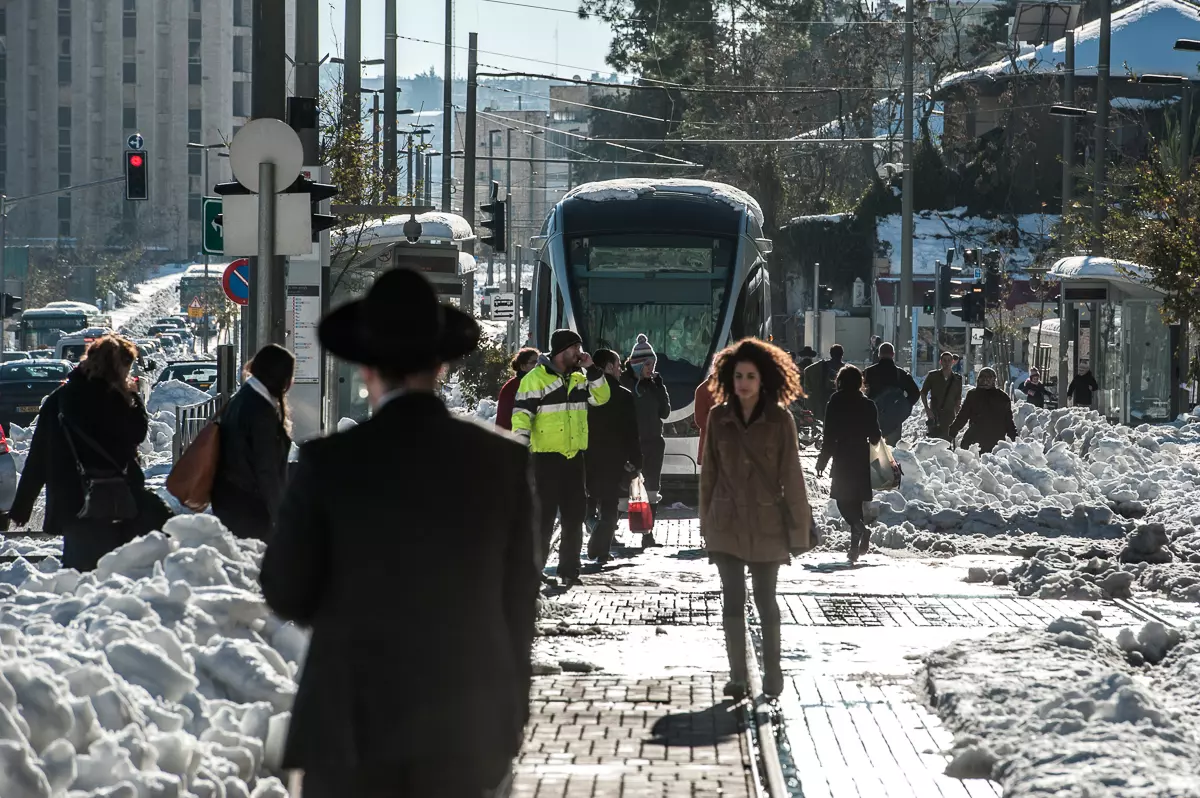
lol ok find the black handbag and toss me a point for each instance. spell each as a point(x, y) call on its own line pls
point(107, 495)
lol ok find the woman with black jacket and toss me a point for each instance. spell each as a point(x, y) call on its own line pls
point(851, 428)
point(613, 457)
point(252, 466)
point(90, 427)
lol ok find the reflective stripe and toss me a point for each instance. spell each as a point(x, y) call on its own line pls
point(558, 407)
point(540, 393)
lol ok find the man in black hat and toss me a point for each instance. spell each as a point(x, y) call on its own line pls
point(551, 412)
point(422, 604)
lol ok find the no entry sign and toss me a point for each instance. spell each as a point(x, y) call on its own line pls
point(236, 281)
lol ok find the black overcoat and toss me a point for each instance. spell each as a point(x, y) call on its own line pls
point(252, 466)
point(851, 427)
point(612, 442)
point(407, 544)
point(988, 411)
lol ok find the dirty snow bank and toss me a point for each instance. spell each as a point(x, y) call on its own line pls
point(160, 674)
point(1065, 712)
point(175, 393)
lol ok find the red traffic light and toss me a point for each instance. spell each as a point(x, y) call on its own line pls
point(136, 161)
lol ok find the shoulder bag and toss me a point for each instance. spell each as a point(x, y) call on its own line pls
point(106, 492)
point(785, 509)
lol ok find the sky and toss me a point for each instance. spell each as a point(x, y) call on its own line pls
point(506, 29)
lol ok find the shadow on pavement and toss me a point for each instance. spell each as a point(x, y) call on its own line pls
point(698, 729)
point(834, 567)
point(689, 554)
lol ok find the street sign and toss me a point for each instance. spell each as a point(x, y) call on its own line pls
point(504, 307)
point(976, 336)
point(214, 233)
point(266, 141)
point(136, 142)
point(196, 309)
point(236, 281)
point(979, 274)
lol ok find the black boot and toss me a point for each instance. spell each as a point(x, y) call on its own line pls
point(735, 648)
point(855, 536)
point(772, 655)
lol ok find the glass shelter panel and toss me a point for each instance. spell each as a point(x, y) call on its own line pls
point(1149, 372)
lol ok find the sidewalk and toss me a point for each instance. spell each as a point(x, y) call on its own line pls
point(648, 718)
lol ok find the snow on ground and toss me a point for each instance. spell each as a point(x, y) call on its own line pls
point(152, 299)
point(175, 393)
point(160, 674)
point(1066, 712)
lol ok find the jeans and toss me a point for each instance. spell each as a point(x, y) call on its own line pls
point(606, 526)
point(763, 577)
point(559, 484)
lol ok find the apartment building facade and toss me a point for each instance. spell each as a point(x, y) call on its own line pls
point(79, 77)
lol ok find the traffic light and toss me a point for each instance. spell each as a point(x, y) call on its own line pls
point(992, 279)
point(137, 175)
point(318, 193)
point(971, 309)
point(526, 298)
point(11, 305)
point(230, 189)
point(930, 302)
point(825, 297)
point(971, 258)
point(498, 209)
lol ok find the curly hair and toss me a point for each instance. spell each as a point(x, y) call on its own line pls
point(524, 355)
point(109, 358)
point(780, 377)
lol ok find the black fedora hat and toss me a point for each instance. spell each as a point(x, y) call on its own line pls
point(399, 324)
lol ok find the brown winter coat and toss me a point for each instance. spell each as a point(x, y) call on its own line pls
point(740, 514)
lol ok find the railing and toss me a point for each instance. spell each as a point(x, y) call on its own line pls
point(189, 420)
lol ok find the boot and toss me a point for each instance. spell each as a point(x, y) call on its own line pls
point(772, 653)
point(864, 540)
point(735, 648)
point(852, 552)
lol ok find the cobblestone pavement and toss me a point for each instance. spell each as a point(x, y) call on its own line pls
point(637, 708)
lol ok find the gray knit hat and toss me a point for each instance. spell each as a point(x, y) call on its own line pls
point(642, 351)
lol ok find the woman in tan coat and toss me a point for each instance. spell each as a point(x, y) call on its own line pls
point(754, 507)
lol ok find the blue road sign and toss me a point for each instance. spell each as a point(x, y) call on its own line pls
point(236, 281)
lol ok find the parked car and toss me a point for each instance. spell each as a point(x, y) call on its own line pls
point(41, 354)
point(10, 356)
point(72, 347)
point(24, 385)
point(155, 330)
point(200, 374)
point(170, 339)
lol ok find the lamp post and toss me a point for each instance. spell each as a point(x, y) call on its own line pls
point(205, 149)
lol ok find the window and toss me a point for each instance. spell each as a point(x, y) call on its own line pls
point(239, 54)
point(64, 160)
point(195, 6)
point(239, 16)
point(64, 181)
point(129, 118)
point(64, 137)
point(129, 26)
point(64, 23)
point(3, 21)
point(193, 30)
point(195, 209)
point(64, 70)
point(64, 207)
point(129, 74)
point(239, 99)
point(193, 74)
point(64, 116)
point(130, 5)
point(195, 162)
point(64, 228)
point(194, 118)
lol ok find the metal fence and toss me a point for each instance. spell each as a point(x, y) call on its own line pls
point(189, 420)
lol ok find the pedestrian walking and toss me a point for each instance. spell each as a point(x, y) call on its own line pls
point(522, 364)
point(374, 525)
point(551, 412)
point(805, 358)
point(84, 452)
point(818, 380)
point(653, 406)
point(754, 509)
point(851, 428)
point(988, 412)
point(254, 446)
point(893, 391)
point(1083, 386)
point(945, 389)
point(614, 455)
point(1034, 389)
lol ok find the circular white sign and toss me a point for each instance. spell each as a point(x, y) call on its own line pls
point(136, 142)
point(266, 141)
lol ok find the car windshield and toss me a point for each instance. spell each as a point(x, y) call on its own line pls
point(20, 372)
point(74, 352)
point(202, 372)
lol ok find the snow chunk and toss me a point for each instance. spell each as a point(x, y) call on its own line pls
point(174, 393)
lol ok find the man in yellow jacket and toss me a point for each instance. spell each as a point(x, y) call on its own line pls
point(551, 413)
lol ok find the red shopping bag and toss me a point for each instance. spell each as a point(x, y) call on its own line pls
point(641, 514)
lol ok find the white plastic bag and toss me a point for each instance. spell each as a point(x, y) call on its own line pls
point(885, 471)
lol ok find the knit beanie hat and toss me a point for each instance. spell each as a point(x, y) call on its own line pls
point(642, 351)
point(562, 340)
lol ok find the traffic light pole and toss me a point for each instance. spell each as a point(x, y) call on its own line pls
point(268, 286)
point(937, 308)
point(448, 110)
point(468, 207)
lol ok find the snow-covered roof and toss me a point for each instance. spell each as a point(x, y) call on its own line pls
point(434, 225)
point(1088, 267)
point(936, 231)
point(827, 218)
point(887, 118)
point(631, 188)
point(1142, 37)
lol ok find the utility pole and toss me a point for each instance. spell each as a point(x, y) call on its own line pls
point(1066, 311)
point(268, 100)
point(1098, 192)
point(375, 133)
point(941, 277)
point(389, 96)
point(491, 171)
point(409, 161)
point(308, 71)
point(469, 137)
point(906, 221)
point(816, 332)
point(448, 111)
point(352, 65)
point(508, 203)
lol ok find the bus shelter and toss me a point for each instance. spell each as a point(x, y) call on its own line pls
point(1133, 353)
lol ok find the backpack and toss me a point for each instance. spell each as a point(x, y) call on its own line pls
point(191, 479)
point(894, 408)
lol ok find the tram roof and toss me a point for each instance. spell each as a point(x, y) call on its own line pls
point(635, 188)
point(434, 225)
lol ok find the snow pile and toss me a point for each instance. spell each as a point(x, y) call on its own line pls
point(160, 674)
point(1066, 712)
point(632, 188)
point(175, 393)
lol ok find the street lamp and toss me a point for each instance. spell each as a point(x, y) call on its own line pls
point(206, 149)
point(1070, 111)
